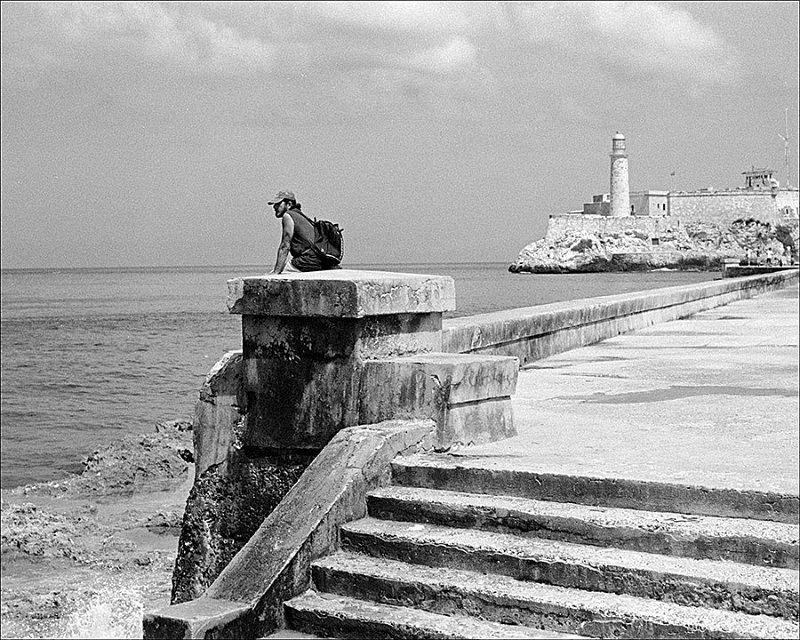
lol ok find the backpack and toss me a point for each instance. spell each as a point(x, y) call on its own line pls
point(328, 241)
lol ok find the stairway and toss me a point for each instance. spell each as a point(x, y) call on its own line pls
point(464, 551)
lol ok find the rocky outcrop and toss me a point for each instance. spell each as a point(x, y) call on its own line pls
point(156, 461)
point(691, 245)
point(78, 554)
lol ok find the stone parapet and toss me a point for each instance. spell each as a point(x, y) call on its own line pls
point(341, 294)
point(739, 270)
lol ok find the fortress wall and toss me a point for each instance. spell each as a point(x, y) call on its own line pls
point(787, 199)
point(581, 224)
point(720, 207)
point(723, 207)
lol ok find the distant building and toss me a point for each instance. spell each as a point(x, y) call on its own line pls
point(759, 179)
point(761, 198)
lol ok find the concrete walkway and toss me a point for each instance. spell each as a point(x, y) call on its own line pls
point(710, 400)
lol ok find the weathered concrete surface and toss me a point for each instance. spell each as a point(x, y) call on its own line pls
point(234, 488)
point(302, 375)
point(305, 338)
point(467, 395)
point(710, 400)
point(341, 294)
point(274, 565)
point(502, 476)
point(557, 609)
point(716, 584)
point(202, 618)
point(264, 412)
point(219, 410)
point(537, 332)
point(757, 542)
point(466, 378)
point(351, 618)
point(740, 271)
point(225, 507)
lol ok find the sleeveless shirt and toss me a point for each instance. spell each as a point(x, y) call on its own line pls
point(304, 257)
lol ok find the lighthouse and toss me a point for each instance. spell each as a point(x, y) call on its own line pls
point(620, 204)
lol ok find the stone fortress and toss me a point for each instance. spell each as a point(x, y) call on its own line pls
point(623, 230)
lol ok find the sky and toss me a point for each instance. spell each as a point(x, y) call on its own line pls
point(154, 134)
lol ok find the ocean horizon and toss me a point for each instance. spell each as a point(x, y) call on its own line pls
point(91, 354)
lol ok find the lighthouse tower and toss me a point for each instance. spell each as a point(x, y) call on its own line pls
point(620, 204)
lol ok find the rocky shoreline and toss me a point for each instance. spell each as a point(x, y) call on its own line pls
point(693, 246)
point(86, 555)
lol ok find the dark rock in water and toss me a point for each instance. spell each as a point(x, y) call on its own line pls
point(173, 425)
point(165, 523)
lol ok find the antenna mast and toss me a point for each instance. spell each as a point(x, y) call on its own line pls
point(785, 138)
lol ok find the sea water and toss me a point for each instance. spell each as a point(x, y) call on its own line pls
point(91, 355)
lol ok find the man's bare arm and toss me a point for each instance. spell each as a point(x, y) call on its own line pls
point(286, 239)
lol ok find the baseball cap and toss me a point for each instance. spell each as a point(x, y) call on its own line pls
point(281, 196)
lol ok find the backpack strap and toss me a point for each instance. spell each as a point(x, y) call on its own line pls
point(313, 246)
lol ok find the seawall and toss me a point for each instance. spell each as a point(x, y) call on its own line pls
point(533, 333)
point(245, 596)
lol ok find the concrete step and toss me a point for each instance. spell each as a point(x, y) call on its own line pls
point(736, 539)
point(500, 476)
point(289, 634)
point(688, 581)
point(337, 616)
point(557, 609)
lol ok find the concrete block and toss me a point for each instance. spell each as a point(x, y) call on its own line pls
point(341, 294)
point(468, 396)
point(301, 375)
point(218, 411)
point(476, 423)
point(464, 378)
point(201, 618)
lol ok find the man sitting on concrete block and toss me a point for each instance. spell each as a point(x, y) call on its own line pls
point(313, 244)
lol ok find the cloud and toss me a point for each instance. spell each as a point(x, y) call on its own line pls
point(455, 54)
point(99, 35)
point(349, 52)
point(635, 38)
point(405, 18)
